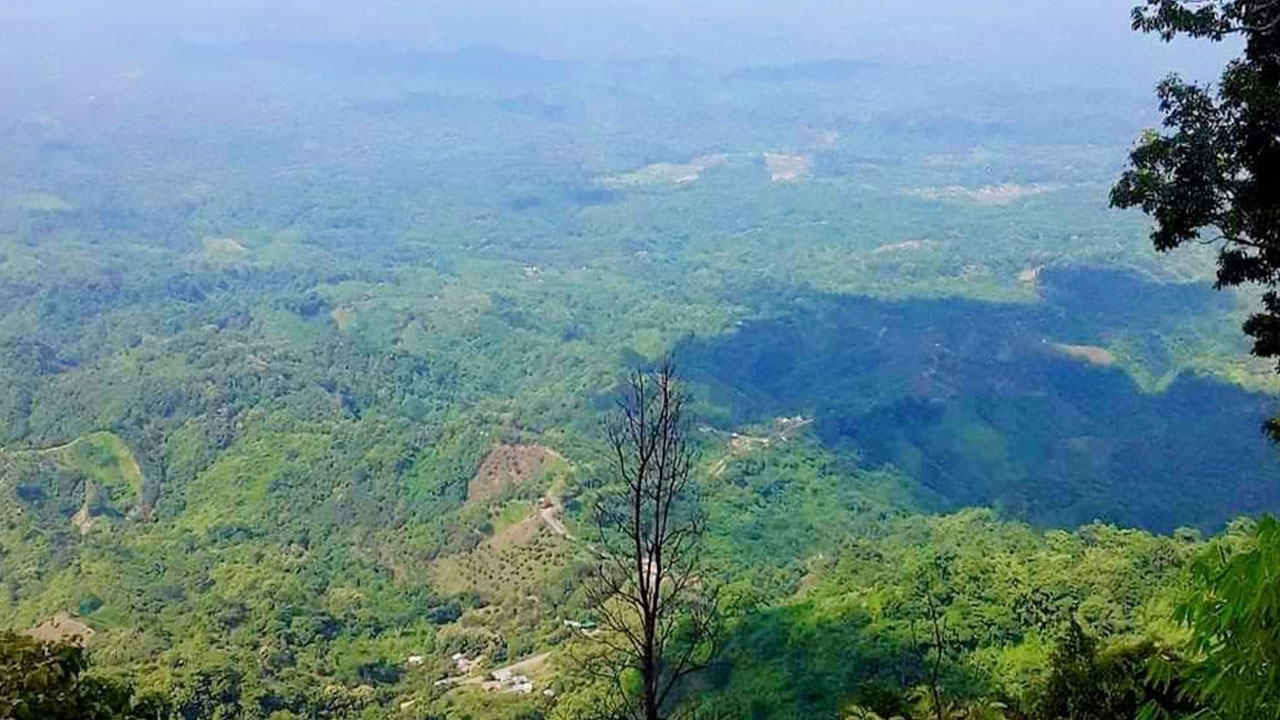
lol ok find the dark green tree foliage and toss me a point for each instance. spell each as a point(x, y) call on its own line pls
point(1234, 616)
point(48, 681)
point(1092, 682)
point(1213, 175)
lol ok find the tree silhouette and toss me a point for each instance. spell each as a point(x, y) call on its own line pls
point(1213, 175)
point(658, 616)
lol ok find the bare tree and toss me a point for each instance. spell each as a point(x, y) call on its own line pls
point(932, 598)
point(937, 645)
point(658, 616)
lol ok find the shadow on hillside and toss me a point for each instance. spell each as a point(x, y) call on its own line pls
point(982, 404)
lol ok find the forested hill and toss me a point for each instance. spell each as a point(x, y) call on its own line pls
point(305, 346)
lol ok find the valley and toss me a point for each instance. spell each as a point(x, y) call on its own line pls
point(306, 347)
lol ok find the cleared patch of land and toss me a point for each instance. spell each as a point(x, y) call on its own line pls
point(224, 251)
point(102, 456)
point(787, 168)
point(1030, 274)
point(342, 317)
point(666, 173)
point(40, 202)
point(550, 510)
point(740, 444)
point(1089, 353)
point(904, 246)
point(513, 563)
point(518, 677)
point(112, 476)
point(1003, 194)
point(505, 466)
point(62, 628)
point(524, 541)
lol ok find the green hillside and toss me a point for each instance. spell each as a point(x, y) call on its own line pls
point(305, 346)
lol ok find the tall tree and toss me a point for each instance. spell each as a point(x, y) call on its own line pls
point(930, 601)
point(1213, 175)
point(658, 614)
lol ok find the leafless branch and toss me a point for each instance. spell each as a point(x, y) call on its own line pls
point(656, 615)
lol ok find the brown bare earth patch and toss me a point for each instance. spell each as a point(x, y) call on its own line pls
point(62, 628)
point(551, 510)
point(1089, 353)
point(82, 520)
point(342, 317)
point(786, 168)
point(507, 465)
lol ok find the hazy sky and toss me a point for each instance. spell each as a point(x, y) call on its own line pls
point(1056, 40)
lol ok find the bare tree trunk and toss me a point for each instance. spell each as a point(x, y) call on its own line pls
point(657, 616)
point(938, 629)
point(932, 605)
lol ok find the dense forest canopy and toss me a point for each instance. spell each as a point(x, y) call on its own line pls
point(309, 313)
